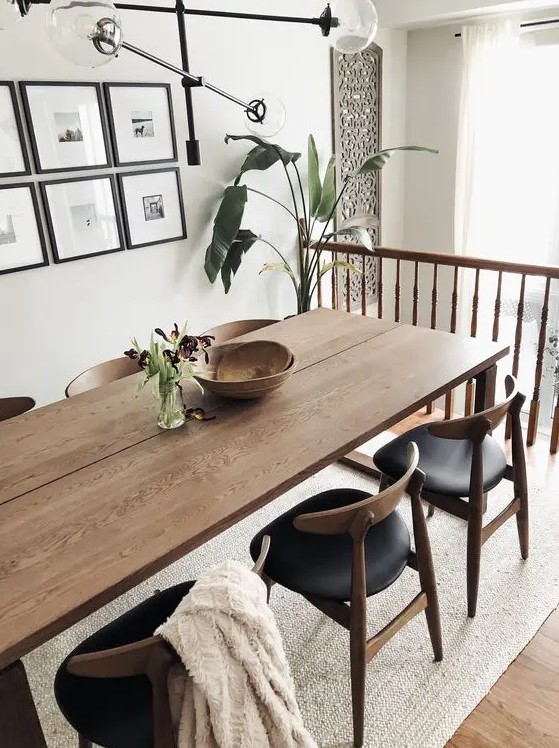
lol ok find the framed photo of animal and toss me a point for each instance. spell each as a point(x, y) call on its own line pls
point(141, 123)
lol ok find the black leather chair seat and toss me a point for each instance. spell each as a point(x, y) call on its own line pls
point(446, 462)
point(116, 712)
point(320, 565)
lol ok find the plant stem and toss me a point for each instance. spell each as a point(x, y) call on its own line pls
point(265, 241)
point(316, 258)
point(263, 194)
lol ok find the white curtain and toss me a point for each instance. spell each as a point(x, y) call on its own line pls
point(507, 172)
point(487, 138)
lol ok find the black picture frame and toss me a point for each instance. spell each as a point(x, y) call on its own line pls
point(123, 176)
point(31, 187)
point(112, 127)
point(10, 85)
point(50, 224)
point(25, 85)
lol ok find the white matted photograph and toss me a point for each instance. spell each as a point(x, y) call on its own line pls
point(141, 122)
point(13, 154)
point(66, 125)
point(22, 244)
point(82, 217)
point(152, 207)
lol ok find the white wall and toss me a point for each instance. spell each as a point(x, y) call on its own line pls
point(57, 321)
point(433, 98)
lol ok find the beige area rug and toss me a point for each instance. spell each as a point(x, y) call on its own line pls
point(411, 702)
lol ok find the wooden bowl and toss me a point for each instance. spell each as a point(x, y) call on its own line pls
point(243, 389)
point(253, 360)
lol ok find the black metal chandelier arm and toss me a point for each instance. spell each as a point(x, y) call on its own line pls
point(189, 79)
point(326, 21)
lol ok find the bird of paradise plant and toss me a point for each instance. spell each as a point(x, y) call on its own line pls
point(312, 213)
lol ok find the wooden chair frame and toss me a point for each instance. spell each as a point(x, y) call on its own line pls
point(151, 657)
point(356, 520)
point(476, 428)
point(96, 376)
point(10, 407)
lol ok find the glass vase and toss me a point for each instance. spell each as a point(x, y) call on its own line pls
point(171, 408)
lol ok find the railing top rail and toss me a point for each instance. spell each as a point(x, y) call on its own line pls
point(436, 258)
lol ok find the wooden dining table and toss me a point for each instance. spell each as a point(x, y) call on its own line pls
point(94, 498)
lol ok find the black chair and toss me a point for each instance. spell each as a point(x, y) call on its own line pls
point(112, 688)
point(462, 463)
point(345, 545)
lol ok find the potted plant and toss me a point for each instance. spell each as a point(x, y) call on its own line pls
point(311, 214)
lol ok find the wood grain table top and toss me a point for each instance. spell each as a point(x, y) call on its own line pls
point(97, 499)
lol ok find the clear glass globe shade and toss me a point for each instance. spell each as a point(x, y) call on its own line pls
point(85, 33)
point(357, 25)
point(9, 14)
point(270, 110)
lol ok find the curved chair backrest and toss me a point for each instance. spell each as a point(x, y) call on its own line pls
point(476, 426)
point(10, 407)
point(228, 330)
point(108, 371)
point(376, 508)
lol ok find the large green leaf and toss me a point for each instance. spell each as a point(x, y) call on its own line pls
point(328, 199)
point(226, 227)
point(356, 232)
point(243, 242)
point(377, 161)
point(367, 220)
point(342, 264)
point(263, 156)
point(315, 188)
point(279, 267)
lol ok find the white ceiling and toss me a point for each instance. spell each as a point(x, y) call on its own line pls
point(409, 13)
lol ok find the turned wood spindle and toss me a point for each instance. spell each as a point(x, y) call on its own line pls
point(434, 298)
point(535, 404)
point(348, 286)
point(415, 294)
point(334, 283)
point(497, 315)
point(379, 286)
point(319, 285)
point(469, 405)
point(449, 398)
point(363, 286)
point(397, 293)
point(517, 342)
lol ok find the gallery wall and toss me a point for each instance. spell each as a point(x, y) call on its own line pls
point(57, 321)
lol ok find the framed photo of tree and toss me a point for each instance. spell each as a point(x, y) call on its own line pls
point(66, 125)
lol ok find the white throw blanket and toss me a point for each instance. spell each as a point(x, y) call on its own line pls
point(238, 691)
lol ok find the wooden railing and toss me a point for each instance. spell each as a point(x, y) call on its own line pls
point(399, 287)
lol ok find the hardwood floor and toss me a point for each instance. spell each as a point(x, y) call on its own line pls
point(522, 708)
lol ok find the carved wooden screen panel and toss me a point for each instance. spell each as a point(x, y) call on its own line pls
point(357, 117)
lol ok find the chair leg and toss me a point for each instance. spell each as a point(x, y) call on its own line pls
point(358, 640)
point(523, 526)
point(269, 584)
point(384, 483)
point(473, 559)
point(430, 510)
